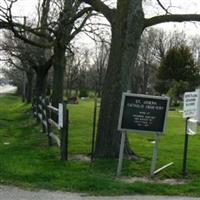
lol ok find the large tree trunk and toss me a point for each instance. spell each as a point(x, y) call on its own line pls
point(29, 88)
point(62, 40)
point(126, 33)
point(41, 84)
point(41, 72)
point(58, 74)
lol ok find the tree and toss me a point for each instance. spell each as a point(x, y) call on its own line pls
point(72, 71)
point(178, 65)
point(148, 58)
point(16, 56)
point(127, 24)
point(59, 23)
point(97, 72)
point(71, 19)
point(32, 43)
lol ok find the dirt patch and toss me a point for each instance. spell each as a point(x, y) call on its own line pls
point(81, 157)
point(148, 180)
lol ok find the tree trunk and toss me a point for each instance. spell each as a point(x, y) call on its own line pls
point(41, 83)
point(29, 88)
point(58, 74)
point(126, 34)
point(62, 40)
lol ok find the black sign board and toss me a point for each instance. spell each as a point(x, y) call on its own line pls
point(143, 113)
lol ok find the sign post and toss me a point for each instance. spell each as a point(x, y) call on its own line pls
point(142, 113)
point(189, 110)
point(121, 153)
point(155, 155)
point(185, 149)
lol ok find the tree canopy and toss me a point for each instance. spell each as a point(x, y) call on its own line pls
point(178, 66)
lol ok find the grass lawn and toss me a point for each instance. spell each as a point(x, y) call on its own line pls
point(27, 161)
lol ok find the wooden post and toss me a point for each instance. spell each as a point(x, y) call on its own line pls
point(64, 133)
point(47, 121)
point(94, 129)
point(33, 105)
point(38, 108)
point(43, 115)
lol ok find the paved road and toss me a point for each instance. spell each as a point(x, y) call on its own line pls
point(14, 193)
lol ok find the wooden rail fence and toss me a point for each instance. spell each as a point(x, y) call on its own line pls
point(53, 118)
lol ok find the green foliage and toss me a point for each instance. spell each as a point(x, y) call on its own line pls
point(83, 93)
point(176, 91)
point(26, 160)
point(178, 72)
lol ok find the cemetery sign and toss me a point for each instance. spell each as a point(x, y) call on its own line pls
point(143, 113)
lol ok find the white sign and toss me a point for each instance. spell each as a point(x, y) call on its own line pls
point(190, 104)
point(60, 115)
point(192, 126)
point(198, 106)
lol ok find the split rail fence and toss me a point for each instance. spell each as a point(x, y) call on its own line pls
point(53, 118)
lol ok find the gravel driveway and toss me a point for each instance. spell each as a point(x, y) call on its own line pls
point(14, 193)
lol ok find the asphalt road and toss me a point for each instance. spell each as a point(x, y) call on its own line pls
point(14, 193)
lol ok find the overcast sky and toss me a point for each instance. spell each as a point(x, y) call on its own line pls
point(151, 8)
point(27, 8)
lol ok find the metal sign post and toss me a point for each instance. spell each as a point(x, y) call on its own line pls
point(190, 107)
point(153, 171)
point(121, 153)
point(185, 149)
point(155, 155)
point(94, 129)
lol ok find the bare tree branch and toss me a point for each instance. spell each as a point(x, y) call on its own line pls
point(163, 7)
point(171, 18)
point(77, 30)
point(101, 7)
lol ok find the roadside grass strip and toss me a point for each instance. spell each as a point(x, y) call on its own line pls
point(26, 160)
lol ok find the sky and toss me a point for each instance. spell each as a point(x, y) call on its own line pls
point(151, 8)
point(28, 7)
point(176, 7)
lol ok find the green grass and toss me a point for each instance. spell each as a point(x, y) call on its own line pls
point(27, 161)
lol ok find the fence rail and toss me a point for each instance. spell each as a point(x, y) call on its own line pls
point(53, 118)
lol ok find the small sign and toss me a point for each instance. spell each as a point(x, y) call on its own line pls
point(191, 126)
point(60, 115)
point(143, 113)
point(190, 104)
